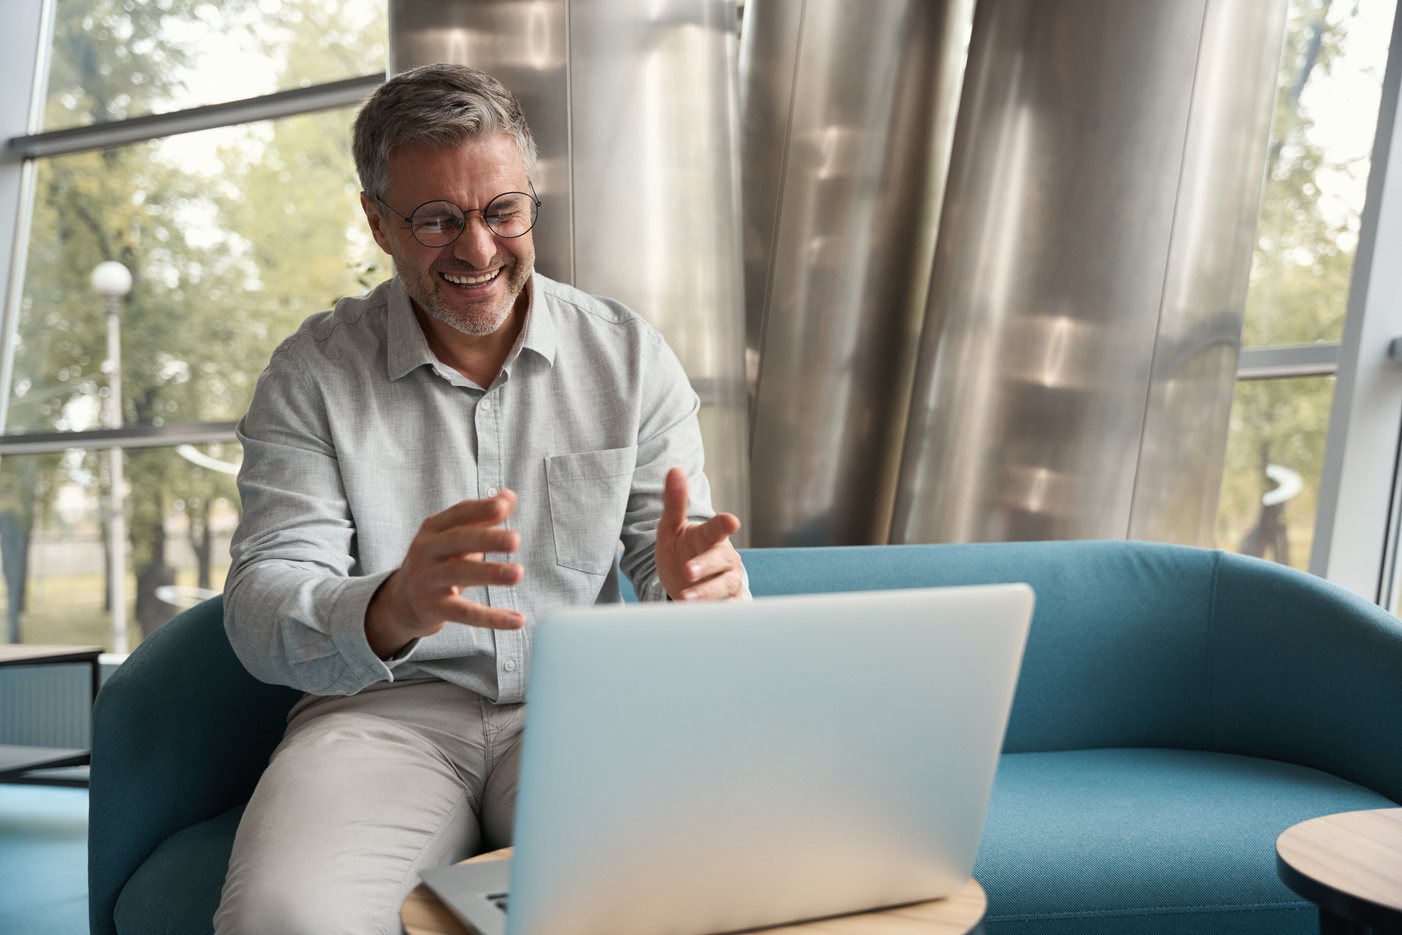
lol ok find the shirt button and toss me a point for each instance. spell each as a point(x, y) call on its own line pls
point(509, 665)
point(486, 405)
point(491, 491)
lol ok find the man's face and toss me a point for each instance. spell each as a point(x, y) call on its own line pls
point(471, 284)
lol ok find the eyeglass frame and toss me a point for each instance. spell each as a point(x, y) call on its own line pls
point(409, 219)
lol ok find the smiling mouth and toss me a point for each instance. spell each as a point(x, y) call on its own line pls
point(469, 280)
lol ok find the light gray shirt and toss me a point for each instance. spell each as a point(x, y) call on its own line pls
point(357, 433)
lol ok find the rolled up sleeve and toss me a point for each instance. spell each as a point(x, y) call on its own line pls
point(668, 436)
point(295, 601)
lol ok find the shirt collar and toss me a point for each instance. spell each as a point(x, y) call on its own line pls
point(539, 333)
point(408, 348)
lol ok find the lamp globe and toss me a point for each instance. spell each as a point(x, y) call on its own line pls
point(111, 279)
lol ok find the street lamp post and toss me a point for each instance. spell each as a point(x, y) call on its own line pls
point(112, 281)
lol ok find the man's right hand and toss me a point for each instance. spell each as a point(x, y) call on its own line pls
point(447, 555)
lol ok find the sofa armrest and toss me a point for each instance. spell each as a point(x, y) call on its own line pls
point(181, 733)
point(1306, 672)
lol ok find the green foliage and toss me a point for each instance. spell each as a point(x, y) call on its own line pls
point(111, 59)
point(1298, 294)
point(1304, 257)
point(226, 260)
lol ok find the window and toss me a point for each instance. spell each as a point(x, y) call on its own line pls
point(1326, 114)
point(56, 523)
point(233, 227)
point(117, 59)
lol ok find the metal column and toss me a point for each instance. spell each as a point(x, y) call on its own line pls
point(1085, 309)
point(849, 114)
point(634, 106)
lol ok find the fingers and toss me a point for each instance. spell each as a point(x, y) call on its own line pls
point(491, 511)
point(719, 587)
point(676, 497)
point(467, 572)
point(460, 610)
point(471, 526)
point(447, 555)
point(712, 575)
point(467, 540)
point(709, 563)
point(714, 530)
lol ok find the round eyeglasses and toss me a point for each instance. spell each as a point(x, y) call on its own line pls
point(439, 223)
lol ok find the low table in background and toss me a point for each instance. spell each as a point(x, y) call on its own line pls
point(1350, 865)
point(962, 913)
point(18, 763)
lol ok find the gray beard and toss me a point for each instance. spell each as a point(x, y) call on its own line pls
point(478, 323)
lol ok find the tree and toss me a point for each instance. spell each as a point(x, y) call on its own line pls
point(225, 262)
point(1298, 295)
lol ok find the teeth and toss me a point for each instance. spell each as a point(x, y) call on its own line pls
point(471, 280)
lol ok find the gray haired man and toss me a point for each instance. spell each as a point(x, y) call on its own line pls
point(429, 469)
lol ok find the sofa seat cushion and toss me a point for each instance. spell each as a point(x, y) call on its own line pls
point(176, 889)
point(1150, 841)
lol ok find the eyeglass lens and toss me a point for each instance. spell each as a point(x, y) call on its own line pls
point(439, 223)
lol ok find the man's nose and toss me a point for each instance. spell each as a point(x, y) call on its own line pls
point(477, 244)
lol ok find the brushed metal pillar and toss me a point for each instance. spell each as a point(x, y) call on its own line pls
point(848, 116)
point(524, 45)
point(634, 105)
point(1184, 443)
point(1085, 307)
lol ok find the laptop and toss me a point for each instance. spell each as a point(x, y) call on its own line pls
point(690, 769)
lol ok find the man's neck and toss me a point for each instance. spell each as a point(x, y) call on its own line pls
point(477, 357)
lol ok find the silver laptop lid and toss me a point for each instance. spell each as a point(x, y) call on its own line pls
point(705, 768)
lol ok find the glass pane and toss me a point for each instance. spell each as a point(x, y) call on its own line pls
point(114, 59)
point(180, 515)
point(1321, 141)
point(1275, 450)
point(233, 236)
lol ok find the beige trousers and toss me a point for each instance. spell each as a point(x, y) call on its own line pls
point(363, 792)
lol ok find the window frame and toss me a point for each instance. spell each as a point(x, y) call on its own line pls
point(18, 163)
point(1357, 523)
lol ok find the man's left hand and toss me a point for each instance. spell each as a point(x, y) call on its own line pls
point(695, 561)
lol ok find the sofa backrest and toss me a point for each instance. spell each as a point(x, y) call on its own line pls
point(1137, 644)
point(1306, 672)
point(1117, 655)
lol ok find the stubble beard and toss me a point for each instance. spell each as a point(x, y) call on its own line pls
point(478, 318)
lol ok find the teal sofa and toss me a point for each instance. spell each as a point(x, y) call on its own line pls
point(1177, 709)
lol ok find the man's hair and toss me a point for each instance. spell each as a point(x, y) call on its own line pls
point(434, 105)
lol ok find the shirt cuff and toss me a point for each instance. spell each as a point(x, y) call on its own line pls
point(653, 591)
point(363, 667)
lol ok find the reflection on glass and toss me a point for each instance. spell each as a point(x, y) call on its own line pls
point(114, 59)
point(181, 509)
point(1326, 114)
point(1275, 450)
point(233, 236)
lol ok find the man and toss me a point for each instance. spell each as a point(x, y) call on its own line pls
point(428, 470)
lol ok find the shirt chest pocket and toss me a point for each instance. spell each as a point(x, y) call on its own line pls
point(588, 497)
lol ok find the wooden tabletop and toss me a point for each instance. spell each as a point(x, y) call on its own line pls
point(15, 654)
point(423, 914)
point(1350, 863)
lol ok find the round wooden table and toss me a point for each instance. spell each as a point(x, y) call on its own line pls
point(1350, 865)
point(423, 914)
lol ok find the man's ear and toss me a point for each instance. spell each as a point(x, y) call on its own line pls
point(377, 223)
